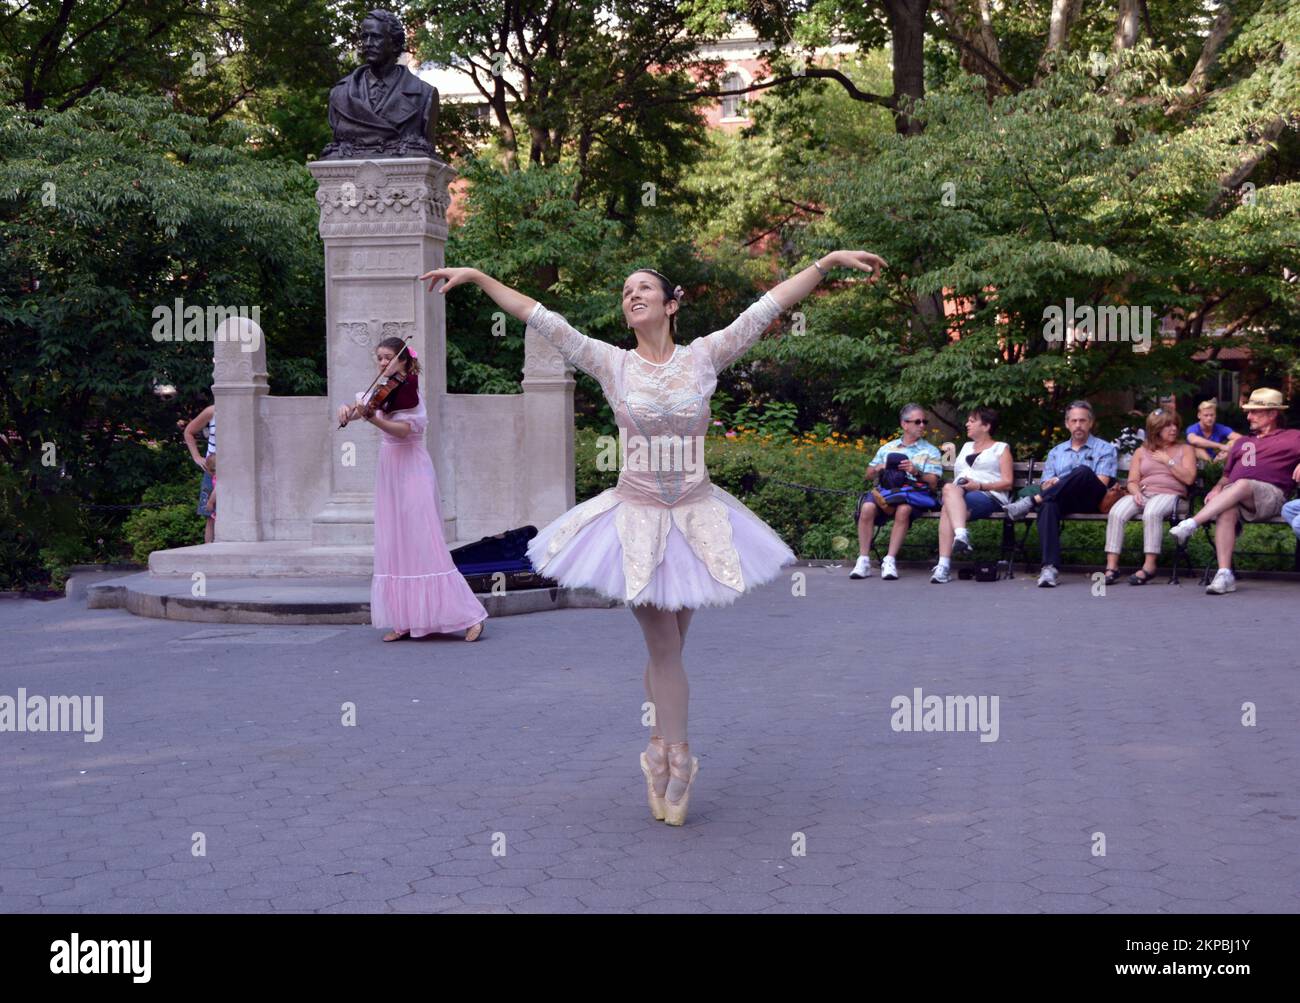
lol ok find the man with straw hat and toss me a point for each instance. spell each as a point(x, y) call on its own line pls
point(1261, 470)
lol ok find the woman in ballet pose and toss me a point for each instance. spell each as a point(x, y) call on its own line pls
point(665, 541)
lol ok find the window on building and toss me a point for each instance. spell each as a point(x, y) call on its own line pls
point(733, 105)
point(1229, 388)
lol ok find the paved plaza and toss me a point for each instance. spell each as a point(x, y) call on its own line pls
point(502, 776)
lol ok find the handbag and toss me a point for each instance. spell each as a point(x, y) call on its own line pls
point(916, 496)
point(1113, 494)
point(877, 499)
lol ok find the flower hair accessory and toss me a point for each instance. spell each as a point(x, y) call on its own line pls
point(411, 353)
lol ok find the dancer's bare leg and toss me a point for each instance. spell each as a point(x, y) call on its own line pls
point(684, 621)
point(656, 753)
point(667, 675)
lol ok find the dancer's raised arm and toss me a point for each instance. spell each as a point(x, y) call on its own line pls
point(510, 300)
point(726, 346)
point(594, 357)
point(796, 287)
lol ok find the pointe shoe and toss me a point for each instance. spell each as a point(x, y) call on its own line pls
point(653, 774)
point(473, 633)
point(681, 766)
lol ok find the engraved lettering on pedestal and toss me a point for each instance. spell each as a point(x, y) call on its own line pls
point(346, 261)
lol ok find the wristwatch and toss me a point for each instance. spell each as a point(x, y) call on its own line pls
point(821, 269)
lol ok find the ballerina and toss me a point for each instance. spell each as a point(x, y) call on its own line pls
point(416, 588)
point(665, 539)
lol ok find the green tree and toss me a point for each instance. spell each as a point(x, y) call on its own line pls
point(111, 209)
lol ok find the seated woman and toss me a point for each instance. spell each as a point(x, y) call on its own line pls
point(982, 476)
point(1161, 472)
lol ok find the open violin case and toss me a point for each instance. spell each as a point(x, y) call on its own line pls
point(504, 554)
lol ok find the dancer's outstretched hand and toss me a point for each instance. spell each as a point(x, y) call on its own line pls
point(451, 277)
point(863, 261)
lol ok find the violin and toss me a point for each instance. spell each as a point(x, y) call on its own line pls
point(381, 388)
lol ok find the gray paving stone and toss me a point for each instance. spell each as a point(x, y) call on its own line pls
point(300, 815)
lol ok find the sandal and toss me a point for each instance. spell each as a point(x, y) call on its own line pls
point(397, 635)
point(1112, 576)
point(1133, 579)
point(473, 633)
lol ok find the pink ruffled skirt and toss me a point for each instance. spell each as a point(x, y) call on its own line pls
point(593, 559)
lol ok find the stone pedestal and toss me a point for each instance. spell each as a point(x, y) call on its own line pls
point(239, 384)
point(548, 430)
point(384, 223)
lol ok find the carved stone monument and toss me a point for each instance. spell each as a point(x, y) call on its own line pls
point(384, 222)
point(296, 495)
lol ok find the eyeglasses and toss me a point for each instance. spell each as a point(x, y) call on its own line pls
point(916, 421)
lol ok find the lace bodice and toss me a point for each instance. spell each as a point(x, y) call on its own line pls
point(662, 410)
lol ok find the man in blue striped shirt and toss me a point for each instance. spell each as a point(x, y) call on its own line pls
point(1075, 478)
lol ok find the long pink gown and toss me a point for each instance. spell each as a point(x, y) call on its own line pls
point(416, 585)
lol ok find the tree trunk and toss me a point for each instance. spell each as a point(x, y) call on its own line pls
point(1127, 25)
point(907, 23)
point(1209, 52)
point(977, 42)
point(1064, 14)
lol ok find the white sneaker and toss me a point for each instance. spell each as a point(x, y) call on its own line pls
point(940, 575)
point(1224, 582)
point(961, 545)
point(888, 569)
point(862, 569)
point(1047, 577)
point(1184, 530)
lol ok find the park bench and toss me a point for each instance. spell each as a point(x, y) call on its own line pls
point(1026, 472)
point(1013, 545)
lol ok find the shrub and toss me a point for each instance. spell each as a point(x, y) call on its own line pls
point(174, 524)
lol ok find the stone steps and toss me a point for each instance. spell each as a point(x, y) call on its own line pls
point(298, 599)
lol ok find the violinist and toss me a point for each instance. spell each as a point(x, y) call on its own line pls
point(416, 588)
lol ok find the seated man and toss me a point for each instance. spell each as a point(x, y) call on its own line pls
point(1210, 439)
point(1261, 471)
point(917, 468)
point(1291, 513)
point(1075, 478)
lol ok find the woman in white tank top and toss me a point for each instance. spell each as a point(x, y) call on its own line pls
point(981, 477)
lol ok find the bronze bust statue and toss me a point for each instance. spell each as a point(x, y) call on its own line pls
point(381, 109)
